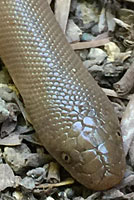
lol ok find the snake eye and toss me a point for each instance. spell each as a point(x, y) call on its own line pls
point(66, 157)
point(118, 133)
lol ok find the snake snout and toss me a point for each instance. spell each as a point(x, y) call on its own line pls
point(98, 174)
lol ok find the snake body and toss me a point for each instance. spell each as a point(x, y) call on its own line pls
point(72, 116)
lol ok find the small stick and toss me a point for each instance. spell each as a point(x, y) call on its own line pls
point(126, 83)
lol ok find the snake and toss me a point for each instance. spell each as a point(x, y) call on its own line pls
point(73, 118)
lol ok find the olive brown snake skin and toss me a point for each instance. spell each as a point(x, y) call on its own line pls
point(72, 116)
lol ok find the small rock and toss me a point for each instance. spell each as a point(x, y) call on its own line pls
point(16, 157)
point(94, 196)
point(27, 183)
point(6, 196)
point(79, 198)
point(4, 112)
point(18, 195)
point(39, 174)
point(83, 54)
point(6, 93)
point(49, 198)
point(69, 193)
point(7, 178)
point(73, 32)
point(97, 54)
point(86, 12)
point(7, 127)
point(131, 153)
point(1, 161)
point(96, 69)
point(4, 76)
point(113, 194)
point(73, 5)
point(20, 158)
point(11, 140)
point(23, 196)
point(36, 159)
point(95, 30)
point(87, 37)
point(89, 63)
point(110, 70)
point(87, 27)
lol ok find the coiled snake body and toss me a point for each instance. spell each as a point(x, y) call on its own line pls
point(72, 116)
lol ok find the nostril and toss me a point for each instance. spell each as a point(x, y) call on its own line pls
point(118, 133)
point(66, 157)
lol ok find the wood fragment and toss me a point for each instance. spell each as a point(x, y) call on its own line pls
point(68, 181)
point(127, 125)
point(62, 8)
point(90, 44)
point(112, 93)
point(126, 83)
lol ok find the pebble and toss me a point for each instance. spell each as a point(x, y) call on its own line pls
point(86, 12)
point(39, 174)
point(18, 195)
point(83, 54)
point(97, 54)
point(73, 5)
point(4, 113)
point(27, 183)
point(73, 32)
point(89, 63)
point(16, 157)
point(87, 37)
point(49, 198)
point(95, 30)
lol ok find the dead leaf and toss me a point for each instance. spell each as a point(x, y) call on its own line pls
point(8, 126)
point(53, 173)
point(11, 140)
point(122, 24)
point(7, 178)
point(112, 51)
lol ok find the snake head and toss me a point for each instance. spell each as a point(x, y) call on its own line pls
point(92, 155)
